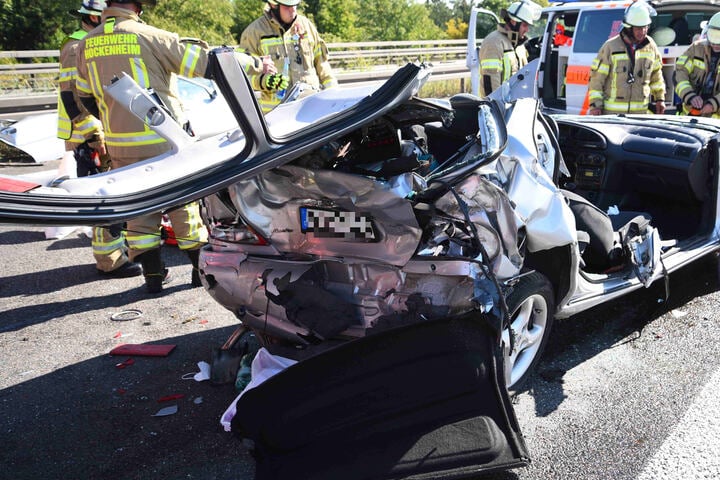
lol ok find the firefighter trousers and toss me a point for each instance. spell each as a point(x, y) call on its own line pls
point(143, 233)
point(109, 250)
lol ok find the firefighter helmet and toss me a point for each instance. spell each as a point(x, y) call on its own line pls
point(287, 3)
point(524, 11)
point(713, 29)
point(638, 14)
point(90, 7)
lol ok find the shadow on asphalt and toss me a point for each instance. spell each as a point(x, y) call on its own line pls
point(579, 338)
point(56, 279)
point(92, 420)
point(35, 314)
point(15, 237)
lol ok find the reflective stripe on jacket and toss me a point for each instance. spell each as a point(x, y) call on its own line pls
point(151, 56)
point(73, 131)
point(300, 47)
point(691, 73)
point(612, 87)
point(499, 60)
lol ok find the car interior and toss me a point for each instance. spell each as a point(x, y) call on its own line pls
point(636, 169)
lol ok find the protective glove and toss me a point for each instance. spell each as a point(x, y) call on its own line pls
point(87, 160)
point(96, 141)
point(274, 82)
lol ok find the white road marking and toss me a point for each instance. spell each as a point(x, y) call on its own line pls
point(692, 450)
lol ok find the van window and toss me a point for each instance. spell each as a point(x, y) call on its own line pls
point(594, 28)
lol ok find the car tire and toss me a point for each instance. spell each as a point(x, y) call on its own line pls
point(531, 307)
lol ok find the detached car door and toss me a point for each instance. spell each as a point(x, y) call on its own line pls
point(425, 401)
point(417, 402)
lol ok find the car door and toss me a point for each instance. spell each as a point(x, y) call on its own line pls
point(196, 167)
point(422, 401)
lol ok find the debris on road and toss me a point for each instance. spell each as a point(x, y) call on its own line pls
point(202, 375)
point(154, 350)
point(124, 364)
point(163, 412)
point(126, 315)
point(168, 398)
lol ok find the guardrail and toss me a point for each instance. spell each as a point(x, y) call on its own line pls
point(33, 86)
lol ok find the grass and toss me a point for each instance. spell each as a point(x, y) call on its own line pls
point(445, 88)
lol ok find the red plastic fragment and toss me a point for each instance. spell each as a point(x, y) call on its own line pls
point(16, 186)
point(142, 349)
point(168, 398)
point(124, 364)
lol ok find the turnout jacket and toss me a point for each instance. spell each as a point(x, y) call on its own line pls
point(691, 73)
point(623, 83)
point(152, 56)
point(69, 105)
point(499, 59)
point(299, 48)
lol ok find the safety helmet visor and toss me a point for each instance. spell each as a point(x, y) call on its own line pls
point(713, 35)
point(90, 7)
point(524, 11)
point(287, 3)
point(713, 29)
point(638, 14)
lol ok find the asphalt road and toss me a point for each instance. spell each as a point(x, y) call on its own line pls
point(625, 391)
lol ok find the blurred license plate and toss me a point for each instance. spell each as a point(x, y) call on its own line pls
point(329, 223)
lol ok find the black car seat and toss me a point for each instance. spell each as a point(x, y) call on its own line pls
point(604, 246)
point(445, 141)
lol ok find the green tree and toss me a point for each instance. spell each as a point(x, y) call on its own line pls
point(384, 20)
point(246, 11)
point(456, 28)
point(421, 25)
point(35, 24)
point(439, 11)
point(335, 19)
point(210, 20)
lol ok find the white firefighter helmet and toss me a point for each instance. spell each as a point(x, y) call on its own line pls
point(638, 14)
point(91, 7)
point(524, 11)
point(713, 29)
point(287, 3)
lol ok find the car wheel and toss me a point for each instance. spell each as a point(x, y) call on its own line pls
point(530, 306)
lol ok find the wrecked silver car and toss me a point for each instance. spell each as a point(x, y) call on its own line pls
point(408, 254)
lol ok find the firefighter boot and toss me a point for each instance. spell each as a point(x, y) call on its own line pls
point(154, 270)
point(194, 256)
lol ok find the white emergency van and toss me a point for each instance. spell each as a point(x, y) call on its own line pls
point(573, 32)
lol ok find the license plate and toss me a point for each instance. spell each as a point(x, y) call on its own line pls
point(327, 223)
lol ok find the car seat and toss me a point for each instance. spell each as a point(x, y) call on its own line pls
point(445, 141)
point(601, 235)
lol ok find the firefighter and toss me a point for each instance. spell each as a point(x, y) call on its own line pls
point(294, 45)
point(124, 43)
point(503, 53)
point(628, 68)
point(697, 74)
point(84, 143)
